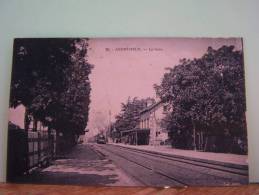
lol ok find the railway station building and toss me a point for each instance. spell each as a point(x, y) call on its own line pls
point(149, 130)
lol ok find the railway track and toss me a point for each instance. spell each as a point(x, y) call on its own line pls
point(238, 170)
point(177, 181)
point(210, 167)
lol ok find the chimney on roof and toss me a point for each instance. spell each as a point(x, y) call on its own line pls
point(150, 101)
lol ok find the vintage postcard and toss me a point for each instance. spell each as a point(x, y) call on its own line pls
point(128, 112)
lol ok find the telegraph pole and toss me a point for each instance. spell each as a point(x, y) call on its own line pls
point(110, 129)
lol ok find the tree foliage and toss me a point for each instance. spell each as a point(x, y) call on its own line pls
point(50, 78)
point(206, 94)
point(129, 116)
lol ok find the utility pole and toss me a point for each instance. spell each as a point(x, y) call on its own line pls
point(194, 135)
point(110, 129)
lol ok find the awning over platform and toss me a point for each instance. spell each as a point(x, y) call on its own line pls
point(136, 130)
point(135, 136)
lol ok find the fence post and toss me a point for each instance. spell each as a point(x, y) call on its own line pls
point(39, 148)
point(27, 161)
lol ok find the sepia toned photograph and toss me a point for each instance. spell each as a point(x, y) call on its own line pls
point(128, 112)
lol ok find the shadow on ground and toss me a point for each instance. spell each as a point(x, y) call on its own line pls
point(72, 178)
point(81, 166)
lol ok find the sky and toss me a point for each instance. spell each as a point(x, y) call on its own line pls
point(129, 67)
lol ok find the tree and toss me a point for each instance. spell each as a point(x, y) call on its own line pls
point(50, 78)
point(206, 95)
point(129, 116)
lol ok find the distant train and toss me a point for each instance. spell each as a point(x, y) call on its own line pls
point(100, 139)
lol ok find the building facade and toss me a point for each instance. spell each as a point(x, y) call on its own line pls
point(150, 119)
point(149, 130)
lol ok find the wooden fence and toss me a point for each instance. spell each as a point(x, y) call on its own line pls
point(28, 150)
point(41, 149)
